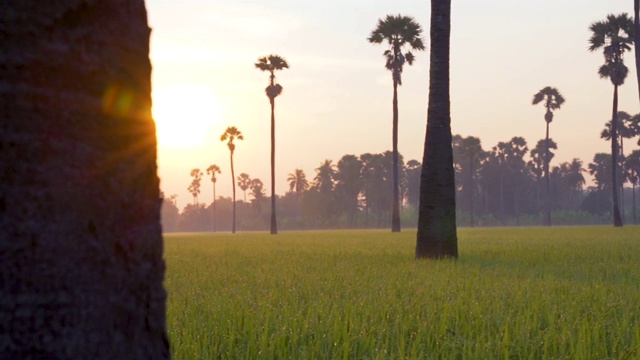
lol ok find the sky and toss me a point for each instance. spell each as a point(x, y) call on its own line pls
point(337, 93)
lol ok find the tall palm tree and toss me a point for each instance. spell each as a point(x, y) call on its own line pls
point(230, 134)
point(399, 32)
point(212, 170)
point(614, 36)
point(244, 182)
point(553, 100)
point(273, 63)
point(81, 251)
point(437, 236)
point(298, 181)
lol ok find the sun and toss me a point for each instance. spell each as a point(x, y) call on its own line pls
point(185, 115)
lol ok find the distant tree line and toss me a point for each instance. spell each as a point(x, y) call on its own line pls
point(501, 185)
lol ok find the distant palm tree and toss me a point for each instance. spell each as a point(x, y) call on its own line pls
point(298, 182)
point(437, 235)
point(212, 170)
point(324, 178)
point(257, 191)
point(398, 31)
point(244, 182)
point(230, 134)
point(272, 63)
point(553, 100)
point(614, 36)
point(194, 188)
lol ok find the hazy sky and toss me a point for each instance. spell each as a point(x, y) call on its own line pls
point(337, 93)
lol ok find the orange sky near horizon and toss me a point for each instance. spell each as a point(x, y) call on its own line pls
point(337, 93)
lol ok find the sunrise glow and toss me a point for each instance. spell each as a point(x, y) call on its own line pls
point(185, 115)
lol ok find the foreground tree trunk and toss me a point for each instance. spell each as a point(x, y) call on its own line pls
point(80, 238)
point(437, 237)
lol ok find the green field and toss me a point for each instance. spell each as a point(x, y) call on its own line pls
point(521, 293)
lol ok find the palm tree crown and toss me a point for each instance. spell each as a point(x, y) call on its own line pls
point(552, 98)
point(212, 170)
point(231, 133)
point(614, 36)
point(272, 63)
point(399, 31)
point(298, 181)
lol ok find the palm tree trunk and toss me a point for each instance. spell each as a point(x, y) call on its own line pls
point(214, 207)
point(395, 212)
point(274, 224)
point(547, 201)
point(437, 236)
point(617, 219)
point(80, 236)
point(233, 185)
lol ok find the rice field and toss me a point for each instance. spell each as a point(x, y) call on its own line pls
point(514, 293)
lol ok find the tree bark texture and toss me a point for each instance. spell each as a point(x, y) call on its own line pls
point(80, 237)
point(437, 237)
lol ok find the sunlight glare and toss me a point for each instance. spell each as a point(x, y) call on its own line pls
point(185, 115)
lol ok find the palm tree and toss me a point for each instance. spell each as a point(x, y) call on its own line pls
point(212, 170)
point(298, 181)
point(399, 32)
point(325, 175)
point(437, 236)
point(229, 135)
point(82, 262)
point(614, 36)
point(553, 100)
point(244, 182)
point(272, 63)
point(194, 188)
point(257, 191)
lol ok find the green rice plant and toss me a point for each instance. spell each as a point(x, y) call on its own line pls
point(524, 293)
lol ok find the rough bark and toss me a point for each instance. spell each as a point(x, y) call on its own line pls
point(395, 207)
point(80, 237)
point(437, 237)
